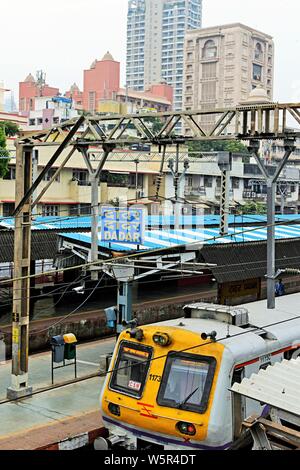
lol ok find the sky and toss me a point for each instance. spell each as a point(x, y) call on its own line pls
point(63, 37)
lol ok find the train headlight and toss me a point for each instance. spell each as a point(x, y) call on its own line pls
point(186, 428)
point(162, 339)
point(114, 409)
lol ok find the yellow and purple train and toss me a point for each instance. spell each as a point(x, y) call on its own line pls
point(169, 385)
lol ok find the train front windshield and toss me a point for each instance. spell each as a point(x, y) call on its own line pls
point(131, 369)
point(187, 381)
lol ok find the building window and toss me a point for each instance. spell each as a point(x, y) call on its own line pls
point(82, 177)
point(258, 53)
point(257, 72)
point(208, 180)
point(209, 50)
point(132, 180)
point(235, 183)
point(8, 209)
point(209, 91)
point(39, 121)
point(11, 174)
point(209, 70)
point(50, 210)
point(92, 101)
point(80, 209)
point(50, 174)
point(32, 122)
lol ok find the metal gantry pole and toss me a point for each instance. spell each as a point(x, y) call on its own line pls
point(95, 176)
point(271, 192)
point(95, 222)
point(21, 286)
point(225, 165)
point(271, 180)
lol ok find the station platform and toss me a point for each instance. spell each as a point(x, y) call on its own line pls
point(63, 416)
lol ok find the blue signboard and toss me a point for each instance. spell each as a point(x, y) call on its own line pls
point(122, 225)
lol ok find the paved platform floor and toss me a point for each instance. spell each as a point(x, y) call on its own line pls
point(36, 421)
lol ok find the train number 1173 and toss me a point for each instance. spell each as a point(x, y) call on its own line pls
point(155, 378)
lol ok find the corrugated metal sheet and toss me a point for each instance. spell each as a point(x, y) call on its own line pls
point(277, 386)
point(193, 221)
point(249, 260)
point(156, 239)
point(43, 245)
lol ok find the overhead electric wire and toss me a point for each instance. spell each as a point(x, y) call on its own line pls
point(73, 311)
point(152, 281)
point(177, 351)
point(256, 328)
point(156, 250)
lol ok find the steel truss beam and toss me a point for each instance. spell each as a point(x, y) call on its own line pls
point(259, 121)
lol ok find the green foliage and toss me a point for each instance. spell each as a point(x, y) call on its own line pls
point(253, 207)
point(217, 146)
point(2, 138)
point(114, 202)
point(4, 154)
point(10, 128)
point(157, 124)
point(117, 180)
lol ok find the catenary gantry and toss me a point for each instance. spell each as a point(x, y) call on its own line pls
point(248, 122)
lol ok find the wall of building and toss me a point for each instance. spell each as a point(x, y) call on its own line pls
point(155, 42)
point(28, 90)
point(103, 81)
point(223, 64)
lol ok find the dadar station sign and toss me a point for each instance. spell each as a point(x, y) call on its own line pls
point(122, 225)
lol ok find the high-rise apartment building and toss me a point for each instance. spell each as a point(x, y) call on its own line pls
point(223, 64)
point(156, 31)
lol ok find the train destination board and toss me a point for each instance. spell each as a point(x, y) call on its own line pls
point(122, 225)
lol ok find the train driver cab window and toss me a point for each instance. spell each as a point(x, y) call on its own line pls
point(131, 368)
point(186, 382)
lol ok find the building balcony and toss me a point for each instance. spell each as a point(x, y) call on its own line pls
point(248, 194)
point(194, 191)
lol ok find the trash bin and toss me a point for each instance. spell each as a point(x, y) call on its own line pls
point(70, 346)
point(58, 348)
point(111, 317)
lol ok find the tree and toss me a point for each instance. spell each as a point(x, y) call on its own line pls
point(217, 146)
point(10, 128)
point(4, 154)
point(253, 207)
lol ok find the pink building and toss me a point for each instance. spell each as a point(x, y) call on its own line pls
point(76, 96)
point(28, 90)
point(101, 81)
point(102, 85)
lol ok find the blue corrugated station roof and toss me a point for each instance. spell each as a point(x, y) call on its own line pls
point(160, 239)
point(84, 222)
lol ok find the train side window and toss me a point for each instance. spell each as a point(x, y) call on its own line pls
point(265, 365)
point(238, 375)
point(238, 403)
point(291, 354)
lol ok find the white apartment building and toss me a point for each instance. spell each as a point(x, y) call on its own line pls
point(201, 187)
point(156, 31)
point(49, 111)
point(223, 64)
